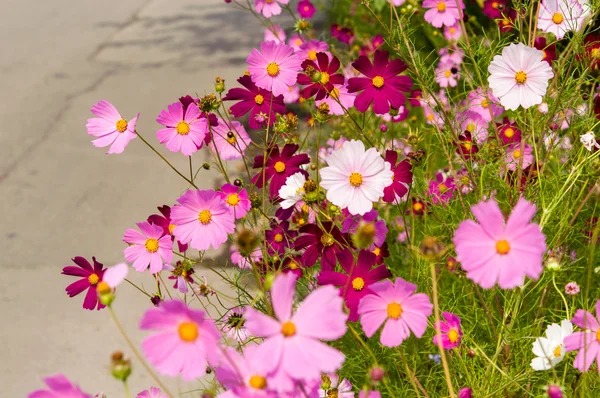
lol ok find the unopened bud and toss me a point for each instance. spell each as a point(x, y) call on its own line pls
point(219, 85)
point(377, 374)
point(120, 367)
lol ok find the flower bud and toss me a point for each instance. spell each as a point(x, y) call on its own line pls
point(255, 200)
point(552, 263)
point(237, 182)
point(431, 248)
point(219, 85)
point(383, 128)
point(269, 279)
point(120, 367)
point(554, 391)
point(465, 393)
point(377, 374)
point(155, 300)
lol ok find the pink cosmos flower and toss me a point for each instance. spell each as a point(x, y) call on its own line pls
point(236, 199)
point(152, 393)
point(230, 140)
point(453, 33)
point(493, 251)
point(441, 188)
point(306, 9)
point(184, 133)
point(164, 221)
point(485, 105)
point(395, 305)
point(401, 180)
point(184, 341)
point(509, 132)
point(355, 177)
point(245, 376)
point(295, 41)
point(476, 125)
point(115, 275)
point(274, 67)
point(90, 278)
point(382, 86)
point(367, 224)
point(369, 394)
point(148, 247)
point(572, 289)
point(447, 75)
point(514, 155)
point(293, 95)
point(275, 33)
point(338, 99)
point(291, 344)
point(310, 49)
point(268, 8)
point(278, 167)
point(245, 260)
point(328, 243)
point(110, 128)
point(442, 12)
point(320, 76)
point(59, 387)
point(560, 17)
point(338, 388)
point(451, 332)
point(203, 219)
point(587, 341)
point(234, 325)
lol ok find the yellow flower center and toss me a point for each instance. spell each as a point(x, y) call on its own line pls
point(556, 352)
point(495, 5)
point(204, 216)
point(521, 77)
point(441, 6)
point(509, 132)
point(335, 93)
point(442, 188)
point(288, 329)
point(452, 31)
point(598, 335)
point(327, 240)
point(557, 18)
point(324, 78)
point(502, 247)
point(279, 167)
point(278, 238)
point(93, 279)
point(103, 288)
point(171, 228)
point(188, 331)
point(377, 81)
point(182, 128)
point(517, 153)
point(595, 52)
point(377, 251)
point(447, 73)
point(417, 206)
point(471, 127)
point(356, 179)
point(312, 55)
point(544, 54)
point(467, 145)
point(258, 382)
point(453, 335)
point(232, 199)
point(293, 265)
point(394, 310)
point(485, 103)
point(151, 245)
point(358, 284)
point(259, 99)
point(121, 125)
point(272, 69)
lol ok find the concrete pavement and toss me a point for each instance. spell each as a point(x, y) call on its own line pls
point(61, 197)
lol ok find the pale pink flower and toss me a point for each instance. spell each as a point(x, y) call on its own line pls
point(447, 75)
point(148, 247)
point(275, 33)
point(295, 41)
point(292, 95)
point(113, 276)
point(152, 393)
point(229, 139)
point(560, 17)
point(338, 95)
point(274, 67)
point(268, 8)
point(485, 105)
point(310, 49)
point(184, 132)
point(586, 341)
point(453, 33)
point(442, 12)
point(110, 128)
point(514, 155)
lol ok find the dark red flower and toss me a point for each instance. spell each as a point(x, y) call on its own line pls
point(164, 221)
point(261, 103)
point(592, 49)
point(320, 77)
point(326, 243)
point(401, 180)
point(90, 277)
point(279, 167)
point(507, 21)
point(508, 131)
point(306, 9)
point(354, 283)
point(415, 98)
point(279, 238)
point(417, 207)
point(494, 8)
point(549, 51)
point(381, 253)
point(465, 146)
point(381, 86)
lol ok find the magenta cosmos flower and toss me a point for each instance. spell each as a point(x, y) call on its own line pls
point(306, 9)
point(59, 387)
point(236, 199)
point(442, 12)
point(320, 77)
point(381, 86)
point(203, 219)
point(184, 341)
point(90, 277)
point(338, 100)
point(355, 283)
point(400, 181)
point(258, 101)
point(587, 342)
point(279, 167)
point(493, 251)
point(441, 188)
point(268, 8)
point(110, 128)
point(274, 67)
point(327, 243)
point(164, 221)
point(292, 344)
point(396, 305)
point(451, 332)
point(229, 140)
point(369, 229)
point(184, 132)
point(279, 238)
point(153, 392)
point(148, 247)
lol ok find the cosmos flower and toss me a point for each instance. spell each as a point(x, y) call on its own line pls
point(184, 133)
point(519, 77)
point(572, 289)
point(274, 67)
point(476, 125)
point(484, 104)
point(450, 331)
point(495, 8)
point(90, 278)
point(110, 128)
point(560, 16)
point(549, 50)
point(442, 12)
point(447, 75)
point(395, 305)
point(311, 48)
point(236, 199)
point(441, 188)
point(234, 324)
point(164, 221)
point(338, 99)
point(589, 141)
point(336, 388)
point(465, 146)
point(509, 132)
point(278, 167)
point(328, 243)
point(279, 238)
point(367, 229)
point(292, 191)
point(517, 157)
point(587, 341)
point(320, 76)
point(306, 9)
point(59, 387)
point(355, 177)
point(152, 393)
point(150, 247)
point(182, 274)
point(550, 350)
point(268, 8)
point(275, 33)
point(494, 251)
point(229, 140)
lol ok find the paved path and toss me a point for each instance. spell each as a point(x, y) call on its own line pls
point(62, 197)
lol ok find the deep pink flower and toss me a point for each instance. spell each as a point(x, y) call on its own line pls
point(465, 393)
point(381, 86)
point(356, 282)
point(110, 128)
point(152, 393)
point(508, 131)
point(396, 305)
point(256, 101)
point(279, 238)
point(236, 199)
point(306, 9)
point(229, 139)
point(441, 188)
point(465, 146)
point(148, 247)
point(184, 133)
point(203, 219)
point(59, 387)
point(493, 251)
point(495, 8)
point(90, 277)
point(274, 67)
point(485, 105)
point(184, 341)
point(442, 12)
point(451, 332)
point(587, 342)
point(327, 244)
point(292, 343)
point(401, 180)
point(164, 221)
point(279, 167)
point(320, 77)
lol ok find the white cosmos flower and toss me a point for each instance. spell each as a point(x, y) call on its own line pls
point(560, 16)
point(355, 177)
point(589, 141)
point(293, 190)
point(550, 350)
point(519, 77)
